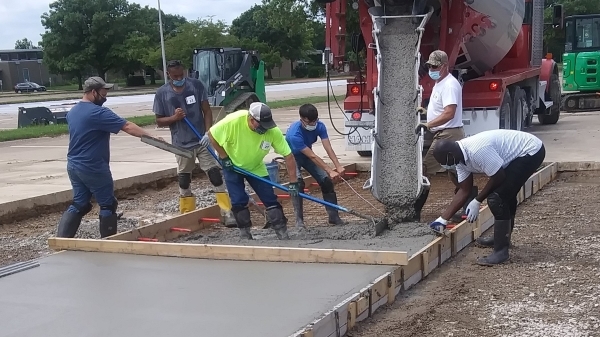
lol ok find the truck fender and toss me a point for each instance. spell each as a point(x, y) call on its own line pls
point(548, 67)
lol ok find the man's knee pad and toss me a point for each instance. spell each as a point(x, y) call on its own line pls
point(184, 180)
point(215, 177)
point(327, 185)
point(499, 208)
point(83, 210)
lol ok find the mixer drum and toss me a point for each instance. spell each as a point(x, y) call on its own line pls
point(484, 51)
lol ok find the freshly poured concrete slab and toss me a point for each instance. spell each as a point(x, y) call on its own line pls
point(99, 294)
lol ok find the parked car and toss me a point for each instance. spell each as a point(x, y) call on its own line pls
point(29, 87)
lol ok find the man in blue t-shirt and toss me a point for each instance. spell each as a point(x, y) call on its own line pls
point(90, 125)
point(187, 98)
point(301, 135)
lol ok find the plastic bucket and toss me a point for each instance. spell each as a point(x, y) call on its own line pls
point(273, 169)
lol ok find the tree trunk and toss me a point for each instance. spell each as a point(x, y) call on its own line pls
point(80, 80)
point(152, 76)
point(269, 74)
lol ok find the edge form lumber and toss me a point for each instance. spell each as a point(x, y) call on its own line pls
point(230, 252)
point(384, 290)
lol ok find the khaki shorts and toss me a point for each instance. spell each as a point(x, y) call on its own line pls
point(430, 165)
point(205, 159)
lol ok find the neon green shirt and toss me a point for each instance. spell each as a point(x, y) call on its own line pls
point(246, 148)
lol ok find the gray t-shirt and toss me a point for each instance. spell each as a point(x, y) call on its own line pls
point(190, 100)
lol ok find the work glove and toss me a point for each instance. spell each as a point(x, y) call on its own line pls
point(439, 225)
point(421, 110)
point(293, 189)
point(421, 126)
point(227, 164)
point(204, 141)
point(473, 210)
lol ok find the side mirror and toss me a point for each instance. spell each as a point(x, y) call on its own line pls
point(558, 16)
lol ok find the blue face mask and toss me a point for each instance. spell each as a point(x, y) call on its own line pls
point(179, 83)
point(435, 75)
point(448, 166)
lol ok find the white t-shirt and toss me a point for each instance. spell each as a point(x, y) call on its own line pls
point(445, 92)
point(488, 151)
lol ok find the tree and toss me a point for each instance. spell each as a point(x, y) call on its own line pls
point(81, 33)
point(24, 44)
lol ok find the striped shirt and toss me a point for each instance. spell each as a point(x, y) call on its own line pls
point(488, 151)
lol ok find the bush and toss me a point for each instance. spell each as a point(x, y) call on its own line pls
point(300, 71)
point(135, 81)
point(315, 71)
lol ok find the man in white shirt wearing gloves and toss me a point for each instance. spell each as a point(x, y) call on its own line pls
point(444, 118)
point(509, 158)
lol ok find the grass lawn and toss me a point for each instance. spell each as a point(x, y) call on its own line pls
point(54, 130)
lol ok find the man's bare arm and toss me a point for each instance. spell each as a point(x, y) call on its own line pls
point(220, 150)
point(208, 115)
point(332, 156)
point(290, 164)
point(134, 130)
point(316, 159)
point(445, 117)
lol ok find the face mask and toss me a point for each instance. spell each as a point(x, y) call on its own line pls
point(310, 127)
point(179, 83)
point(260, 130)
point(449, 167)
point(435, 75)
point(100, 100)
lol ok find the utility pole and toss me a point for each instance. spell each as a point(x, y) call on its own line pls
point(162, 43)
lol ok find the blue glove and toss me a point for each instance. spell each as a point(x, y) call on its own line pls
point(438, 226)
point(204, 141)
point(227, 164)
point(293, 189)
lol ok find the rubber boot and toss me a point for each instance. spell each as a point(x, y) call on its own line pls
point(108, 225)
point(501, 244)
point(298, 211)
point(488, 241)
point(458, 217)
point(187, 204)
point(334, 217)
point(278, 222)
point(68, 225)
point(244, 223)
point(228, 219)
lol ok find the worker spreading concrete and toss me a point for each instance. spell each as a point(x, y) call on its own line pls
point(301, 135)
point(88, 157)
point(509, 158)
point(243, 139)
point(187, 98)
point(444, 117)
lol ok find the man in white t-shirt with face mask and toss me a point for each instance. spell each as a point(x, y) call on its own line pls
point(444, 116)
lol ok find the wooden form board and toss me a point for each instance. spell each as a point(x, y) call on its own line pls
point(161, 231)
point(385, 288)
point(230, 252)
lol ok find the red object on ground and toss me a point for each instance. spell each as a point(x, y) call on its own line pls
point(177, 229)
point(147, 239)
point(214, 220)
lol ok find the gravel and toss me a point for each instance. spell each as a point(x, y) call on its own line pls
point(396, 162)
point(550, 287)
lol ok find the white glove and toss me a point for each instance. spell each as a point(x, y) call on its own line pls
point(204, 141)
point(473, 210)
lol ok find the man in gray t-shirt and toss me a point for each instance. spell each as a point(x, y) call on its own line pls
point(187, 97)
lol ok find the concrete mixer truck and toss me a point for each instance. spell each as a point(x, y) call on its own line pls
point(495, 49)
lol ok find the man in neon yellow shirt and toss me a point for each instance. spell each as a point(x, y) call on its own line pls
point(243, 139)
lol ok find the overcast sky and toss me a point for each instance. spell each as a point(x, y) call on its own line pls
point(20, 19)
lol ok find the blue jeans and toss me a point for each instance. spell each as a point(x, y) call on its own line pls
point(85, 184)
point(237, 190)
point(315, 171)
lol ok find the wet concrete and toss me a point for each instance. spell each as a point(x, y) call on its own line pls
point(406, 237)
point(98, 295)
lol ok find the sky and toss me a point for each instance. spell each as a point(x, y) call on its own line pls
point(22, 19)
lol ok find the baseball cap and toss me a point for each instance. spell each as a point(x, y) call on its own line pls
point(262, 114)
point(437, 58)
point(95, 83)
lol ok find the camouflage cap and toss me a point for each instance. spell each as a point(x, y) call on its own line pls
point(95, 83)
point(437, 58)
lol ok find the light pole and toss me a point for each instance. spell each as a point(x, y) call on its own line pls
point(162, 43)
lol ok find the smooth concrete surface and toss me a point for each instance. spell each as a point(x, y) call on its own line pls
point(275, 92)
point(98, 295)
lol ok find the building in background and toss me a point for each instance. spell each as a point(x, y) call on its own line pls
point(23, 65)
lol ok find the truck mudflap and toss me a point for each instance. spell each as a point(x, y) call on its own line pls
point(375, 182)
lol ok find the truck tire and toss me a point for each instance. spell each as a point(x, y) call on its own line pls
point(365, 153)
point(552, 114)
point(519, 108)
point(505, 111)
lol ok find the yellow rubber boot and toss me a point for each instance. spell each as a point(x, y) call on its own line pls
point(187, 204)
point(224, 203)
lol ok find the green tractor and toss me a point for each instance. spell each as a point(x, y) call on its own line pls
point(234, 78)
point(581, 63)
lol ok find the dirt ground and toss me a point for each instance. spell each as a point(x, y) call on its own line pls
point(549, 288)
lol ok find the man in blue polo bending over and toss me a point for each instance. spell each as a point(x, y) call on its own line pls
point(301, 135)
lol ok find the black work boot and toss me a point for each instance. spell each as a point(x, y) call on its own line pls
point(278, 222)
point(458, 217)
point(501, 244)
point(488, 241)
point(334, 216)
point(298, 211)
point(68, 225)
point(108, 225)
point(244, 222)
